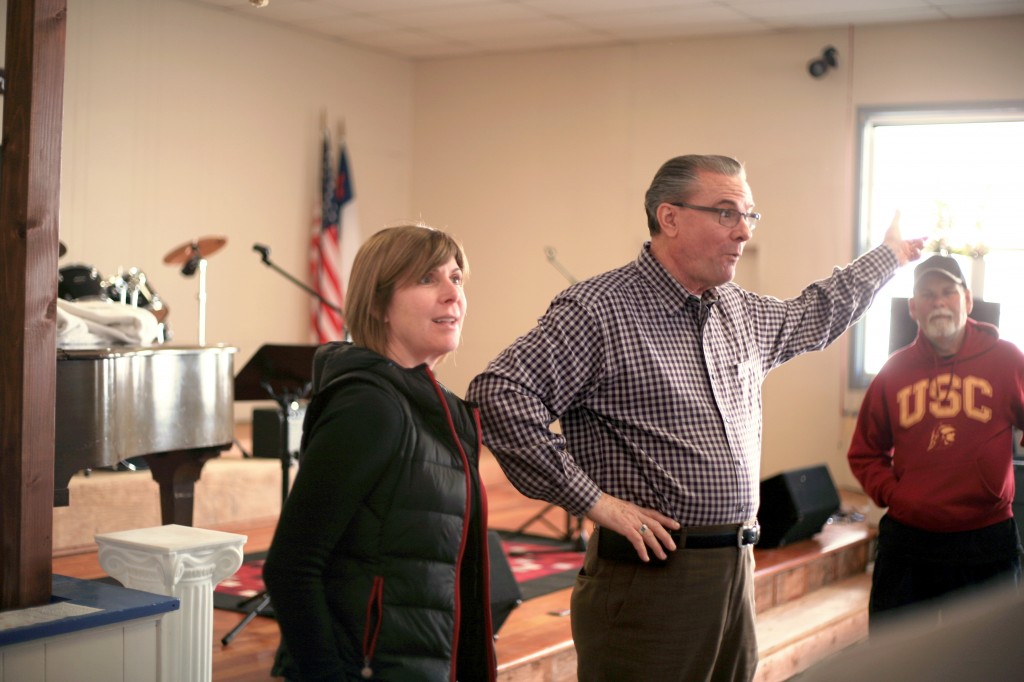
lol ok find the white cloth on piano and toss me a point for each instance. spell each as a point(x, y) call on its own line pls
point(104, 322)
point(73, 332)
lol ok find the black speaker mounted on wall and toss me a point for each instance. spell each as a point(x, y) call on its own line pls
point(819, 66)
point(795, 505)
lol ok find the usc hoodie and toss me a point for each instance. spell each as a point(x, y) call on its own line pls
point(933, 441)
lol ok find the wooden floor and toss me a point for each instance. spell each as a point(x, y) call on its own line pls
point(250, 654)
point(535, 641)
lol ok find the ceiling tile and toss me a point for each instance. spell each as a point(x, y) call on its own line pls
point(424, 28)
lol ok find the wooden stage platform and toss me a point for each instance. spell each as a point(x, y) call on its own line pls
point(811, 596)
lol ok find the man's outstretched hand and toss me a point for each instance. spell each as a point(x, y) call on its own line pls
point(906, 250)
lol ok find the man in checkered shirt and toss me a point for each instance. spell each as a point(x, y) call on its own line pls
point(654, 371)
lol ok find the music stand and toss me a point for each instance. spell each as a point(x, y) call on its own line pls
point(284, 374)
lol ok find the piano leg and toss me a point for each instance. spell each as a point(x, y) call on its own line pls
point(176, 472)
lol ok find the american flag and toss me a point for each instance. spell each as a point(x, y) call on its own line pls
point(334, 243)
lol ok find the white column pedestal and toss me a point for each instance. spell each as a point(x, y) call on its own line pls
point(181, 562)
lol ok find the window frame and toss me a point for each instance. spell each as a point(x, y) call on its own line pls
point(869, 118)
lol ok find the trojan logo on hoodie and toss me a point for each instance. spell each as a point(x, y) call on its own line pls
point(943, 436)
point(944, 397)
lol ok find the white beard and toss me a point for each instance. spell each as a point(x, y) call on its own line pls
point(941, 326)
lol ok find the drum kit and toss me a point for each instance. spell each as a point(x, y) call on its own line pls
point(81, 282)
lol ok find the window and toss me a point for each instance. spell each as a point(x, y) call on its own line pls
point(956, 177)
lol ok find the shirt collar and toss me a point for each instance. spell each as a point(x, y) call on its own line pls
point(671, 294)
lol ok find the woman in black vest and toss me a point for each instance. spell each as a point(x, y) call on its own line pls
point(378, 569)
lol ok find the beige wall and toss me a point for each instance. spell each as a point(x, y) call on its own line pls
point(514, 153)
point(182, 121)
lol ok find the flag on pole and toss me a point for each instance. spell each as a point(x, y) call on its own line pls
point(334, 242)
point(349, 236)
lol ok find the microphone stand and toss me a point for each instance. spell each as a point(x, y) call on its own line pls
point(574, 530)
point(552, 256)
point(197, 262)
point(264, 252)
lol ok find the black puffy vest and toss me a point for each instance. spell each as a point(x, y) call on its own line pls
point(393, 588)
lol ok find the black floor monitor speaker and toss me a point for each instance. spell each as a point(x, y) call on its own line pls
point(795, 505)
point(266, 431)
point(505, 593)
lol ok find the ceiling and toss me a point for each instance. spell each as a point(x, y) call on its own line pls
point(422, 29)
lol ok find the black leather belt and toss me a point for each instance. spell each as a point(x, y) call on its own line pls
point(613, 546)
point(693, 538)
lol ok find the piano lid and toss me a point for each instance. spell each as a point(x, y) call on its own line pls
point(117, 403)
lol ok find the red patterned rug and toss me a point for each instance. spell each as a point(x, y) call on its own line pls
point(247, 581)
point(530, 560)
point(539, 565)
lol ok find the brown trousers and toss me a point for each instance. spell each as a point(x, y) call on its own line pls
point(688, 620)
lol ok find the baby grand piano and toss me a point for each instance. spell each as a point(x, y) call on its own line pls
point(171, 404)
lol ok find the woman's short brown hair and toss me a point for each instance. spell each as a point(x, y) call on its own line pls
point(393, 257)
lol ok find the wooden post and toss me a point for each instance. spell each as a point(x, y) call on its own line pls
point(29, 207)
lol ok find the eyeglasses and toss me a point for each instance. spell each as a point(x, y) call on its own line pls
point(727, 217)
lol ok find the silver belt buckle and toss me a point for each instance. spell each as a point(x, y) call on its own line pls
point(756, 528)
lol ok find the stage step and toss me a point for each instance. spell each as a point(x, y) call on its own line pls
point(232, 490)
point(801, 632)
point(791, 637)
point(812, 597)
point(783, 574)
point(812, 602)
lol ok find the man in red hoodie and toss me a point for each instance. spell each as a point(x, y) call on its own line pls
point(934, 443)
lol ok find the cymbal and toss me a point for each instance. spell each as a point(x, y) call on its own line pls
point(203, 248)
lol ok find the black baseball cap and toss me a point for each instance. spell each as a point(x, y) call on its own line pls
point(943, 265)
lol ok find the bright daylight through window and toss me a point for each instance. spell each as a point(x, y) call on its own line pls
point(956, 176)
